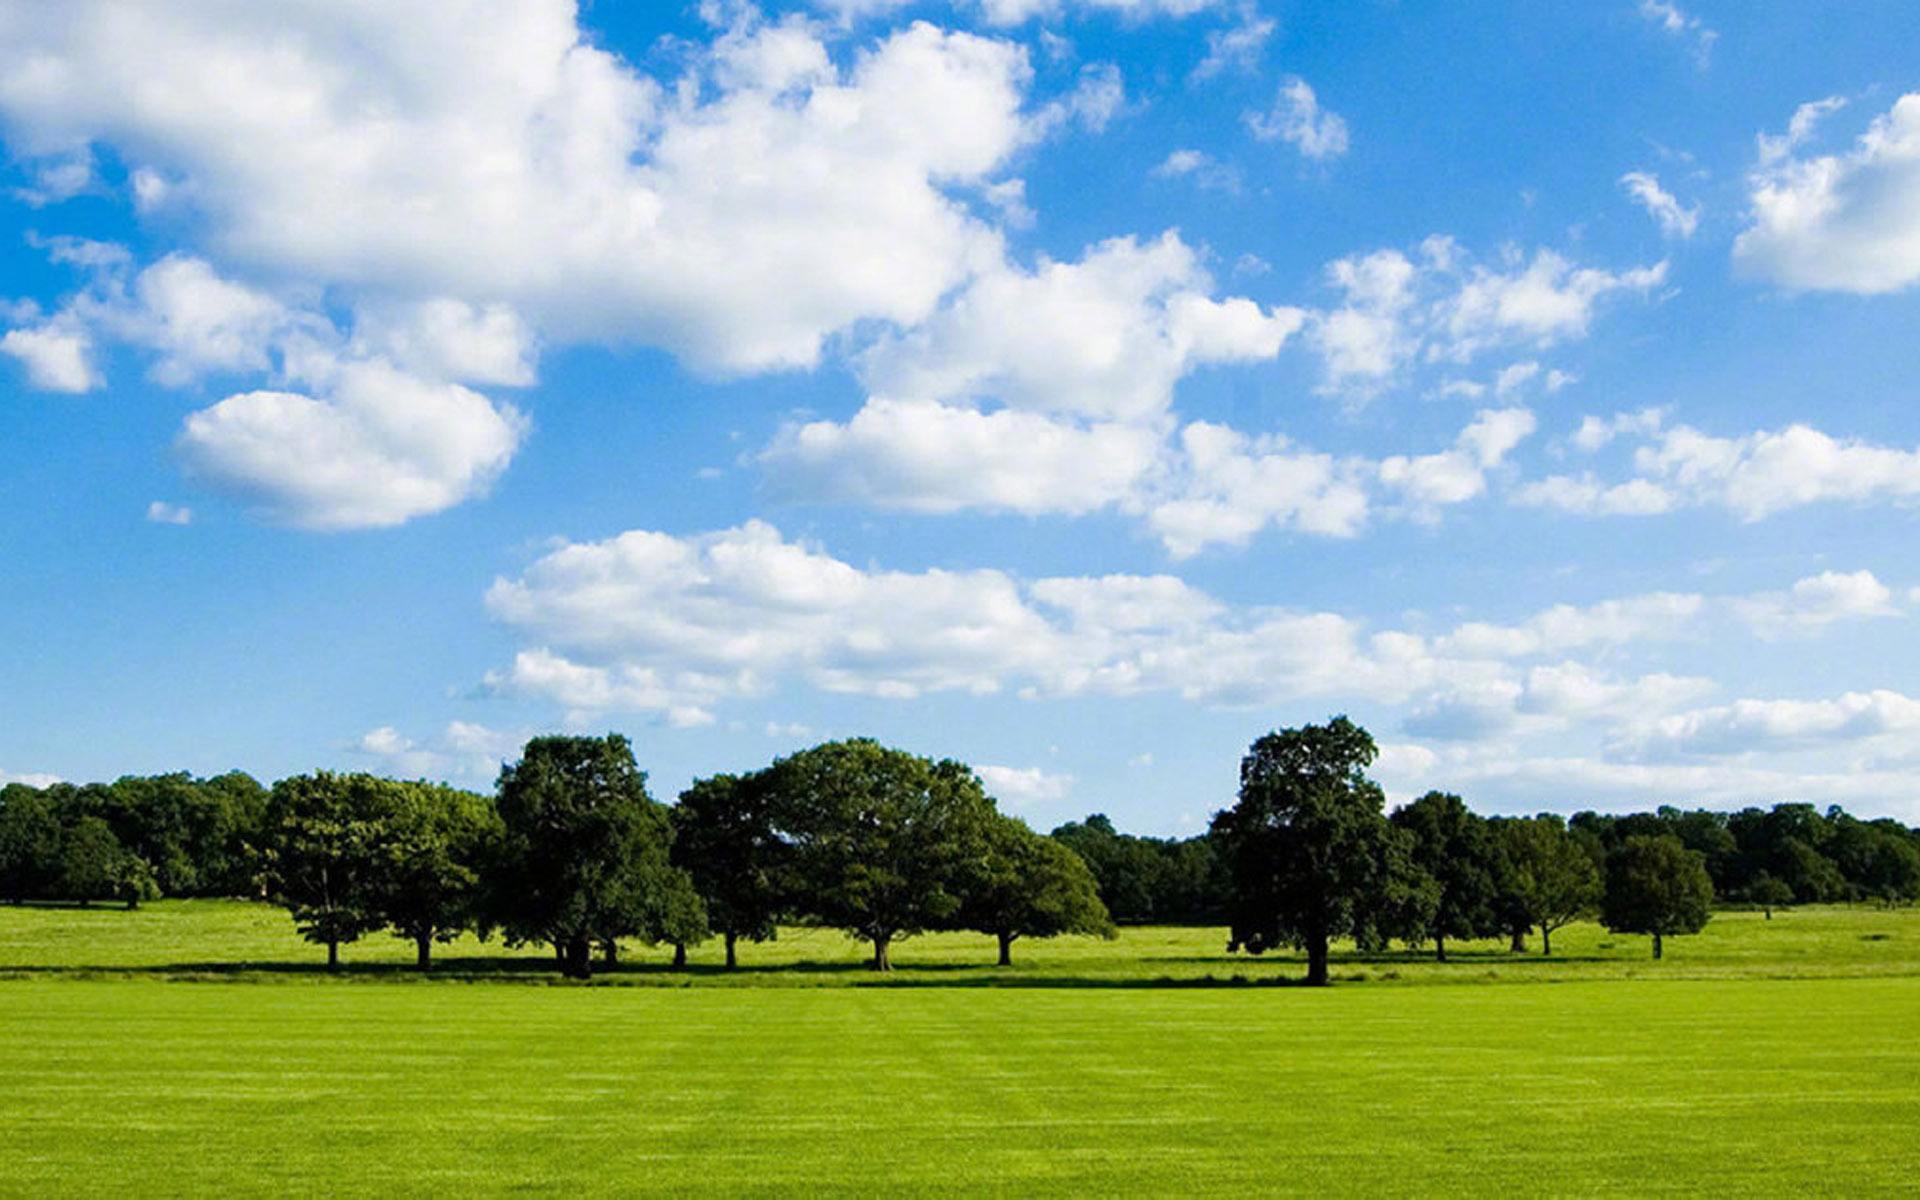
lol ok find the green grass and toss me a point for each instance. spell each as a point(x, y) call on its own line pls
point(1761, 1057)
point(231, 939)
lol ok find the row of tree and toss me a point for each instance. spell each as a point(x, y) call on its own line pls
point(572, 852)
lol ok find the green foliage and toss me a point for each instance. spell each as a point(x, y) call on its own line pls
point(1312, 857)
point(428, 853)
point(1656, 885)
point(326, 837)
point(1767, 893)
point(1455, 847)
point(1550, 881)
point(584, 854)
point(93, 864)
point(1150, 879)
point(30, 836)
point(885, 844)
point(726, 840)
point(1033, 886)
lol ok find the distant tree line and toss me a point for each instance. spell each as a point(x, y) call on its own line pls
point(572, 852)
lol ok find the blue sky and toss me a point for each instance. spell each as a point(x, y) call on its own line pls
point(1077, 387)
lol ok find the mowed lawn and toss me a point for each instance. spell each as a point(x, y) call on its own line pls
point(1761, 1057)
point(223, 939)
point(142, 1087)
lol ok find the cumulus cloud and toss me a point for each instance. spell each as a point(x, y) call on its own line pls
point(490, 152)
point(1779, 726)
point(1206, 172)
point(1438, 305)
point(463, 752)
point(1297, 119)
point(1753, 476)
point(1105, 337)
point(648, 622)
point(56, 359)
point(925, 456)
point(1819, 600)
point(1458, 474)
point(1238, 46)
point(374, 448)
point(162, 513)
point(1675, 219)
point(1847, 222)
point(1024, 786)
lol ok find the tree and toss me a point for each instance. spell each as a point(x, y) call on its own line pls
point(326, 856)
point(885, 844)
point(1311, 855)
point(30, 837)
point(1552, 882)
point(584, 851)
point(1893, 874)
point(430, 855)
point(93, 863)
point(1033, 887)
point(1453, 845)
point(1656, 885)
point(1767, 892)
point(724, 837)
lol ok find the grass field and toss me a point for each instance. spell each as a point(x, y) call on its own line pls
point(1768, 1057)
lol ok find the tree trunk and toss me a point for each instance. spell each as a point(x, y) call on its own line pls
point(1006, 949)
point(882, 961)
point(423, 951)
point(1769, 913)
point(333, 955)
point(1439, 948)
point(580, 957)
point(560, 955)
point(1546, 942)
point(732, 962)
point(1317, 961)
point(1519, 945)
point(1656, 945)
point(609, 952)
point(679, 956)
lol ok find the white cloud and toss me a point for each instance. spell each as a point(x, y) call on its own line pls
point(1754, 475)
point(1675, 219)
point(1779, 726)
point(1207, 173)
point(451, 340)
point(924, 456)
point(1458, 474)
point(162, 513)
point(1014, 12)
point(1239, 46)
point(375, 448)
point(1022, 786)
point(463, 752)
point(1846, 222)
point(1440, 306)
point(1105, 337)
point(1297, 119)
point(57, 359)
point(494, 155)
point(1817, 601)
point(32, 779)
point(1586, 495)
point(1540, 301)
point(1232, 486)
point(1680, 24)
point(648, 622)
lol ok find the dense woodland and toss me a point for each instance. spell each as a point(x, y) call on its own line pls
point(572, 852)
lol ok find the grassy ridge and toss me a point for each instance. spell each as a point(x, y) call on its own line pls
point(228, 939)
point(1728, 1088)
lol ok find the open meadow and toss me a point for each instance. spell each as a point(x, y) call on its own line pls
point(1759, 1056)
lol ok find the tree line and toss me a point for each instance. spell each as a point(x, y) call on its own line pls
point(572, 852)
